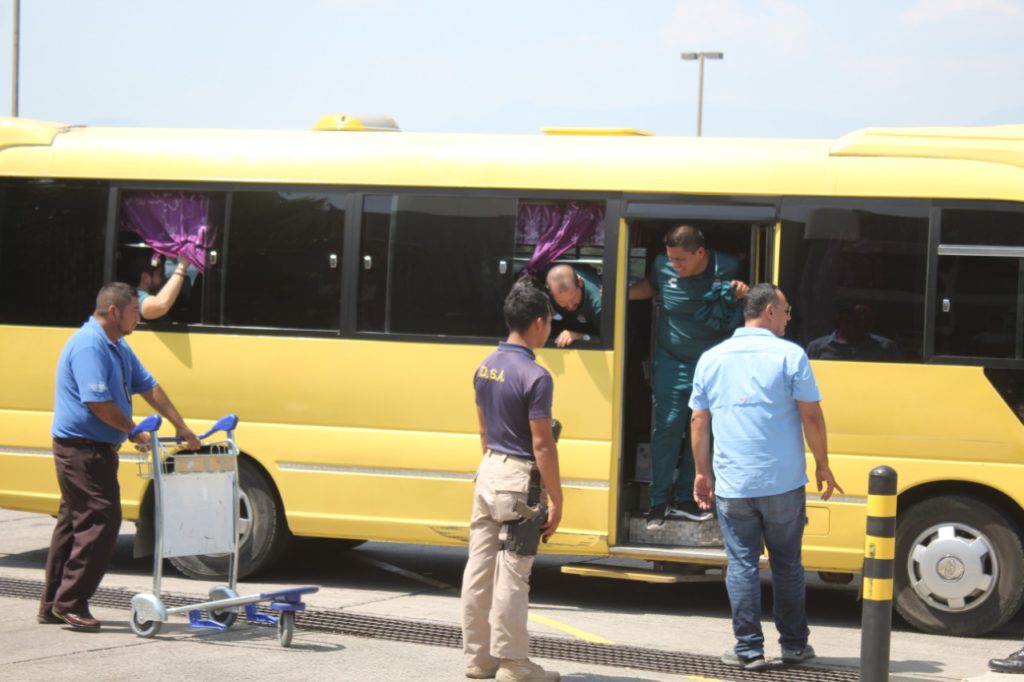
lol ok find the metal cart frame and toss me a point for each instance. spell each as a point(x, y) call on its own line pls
point(209, 476)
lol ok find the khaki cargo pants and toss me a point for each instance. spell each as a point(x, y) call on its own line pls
point(496, 585)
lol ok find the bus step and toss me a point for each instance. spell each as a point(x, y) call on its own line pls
point(688, 573)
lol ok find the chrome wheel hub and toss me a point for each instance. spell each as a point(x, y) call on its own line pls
point(952, 567)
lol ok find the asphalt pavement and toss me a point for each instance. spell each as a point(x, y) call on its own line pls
point(416, 584)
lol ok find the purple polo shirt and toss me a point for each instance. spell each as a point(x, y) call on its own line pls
point(511, 389)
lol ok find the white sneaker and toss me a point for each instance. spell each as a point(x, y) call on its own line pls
point(524, 670)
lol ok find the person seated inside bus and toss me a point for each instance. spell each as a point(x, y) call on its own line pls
point(575, 293)
point(853, 340)
point(159, 281)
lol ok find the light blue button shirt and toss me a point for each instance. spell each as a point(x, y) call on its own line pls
point(751, 383)
point(92, 369)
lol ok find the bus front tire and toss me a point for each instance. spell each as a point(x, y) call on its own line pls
point(263, 531)
point(959, 566)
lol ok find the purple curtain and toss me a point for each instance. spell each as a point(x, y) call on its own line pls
point(556, 228)
point(173, 224)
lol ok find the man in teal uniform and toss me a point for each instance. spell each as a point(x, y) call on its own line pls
point(698, 291)
point(576, 302)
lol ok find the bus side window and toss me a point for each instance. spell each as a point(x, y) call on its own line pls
point(981, 268)
point(283, 264)
point(435, 265)
point(158, 217)
point(51, 251)
point(854, 272)
point(572, 232)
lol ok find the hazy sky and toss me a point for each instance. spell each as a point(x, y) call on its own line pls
point(804, 69)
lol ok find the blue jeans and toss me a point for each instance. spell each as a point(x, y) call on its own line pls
point(779, 521)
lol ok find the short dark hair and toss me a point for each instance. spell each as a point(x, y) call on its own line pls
point(524, 304)
point(758, 298)
point(117, 294)
point(136, 261)
point(686, 237)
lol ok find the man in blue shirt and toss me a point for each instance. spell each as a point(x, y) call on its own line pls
point(698, 290)
point(513, 405)
point(764, 400)
point(92, 416)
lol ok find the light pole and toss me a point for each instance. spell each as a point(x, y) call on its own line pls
point(700, 57)
point(14, 62)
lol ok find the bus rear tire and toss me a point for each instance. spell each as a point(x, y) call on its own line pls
point(959, 567)
point(263, 531)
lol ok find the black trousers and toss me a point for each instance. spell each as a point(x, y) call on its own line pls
point(88, 523)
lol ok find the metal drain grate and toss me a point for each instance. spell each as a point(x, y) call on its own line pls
point(439, 634)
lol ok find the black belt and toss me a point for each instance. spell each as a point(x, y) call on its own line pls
point(83, 443)
point(509, 454)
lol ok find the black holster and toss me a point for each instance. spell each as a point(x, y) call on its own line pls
point(522, 536)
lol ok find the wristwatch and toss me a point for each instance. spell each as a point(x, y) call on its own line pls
point(586, 337)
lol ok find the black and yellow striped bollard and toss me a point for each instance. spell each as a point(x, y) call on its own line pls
point(879, 554)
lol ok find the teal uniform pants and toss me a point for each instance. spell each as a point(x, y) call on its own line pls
point(671, 474)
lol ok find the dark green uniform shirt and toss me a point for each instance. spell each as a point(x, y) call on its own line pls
point(587, 317)
point(681, 333)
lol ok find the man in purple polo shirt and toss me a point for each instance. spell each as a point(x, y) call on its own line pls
point(761, 392)
point(513, 404)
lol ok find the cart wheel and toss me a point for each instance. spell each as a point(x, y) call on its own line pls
point(145, 628)
point(228, 615)
point(286, 627)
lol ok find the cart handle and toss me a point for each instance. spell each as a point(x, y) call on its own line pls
point(152, 423)
point(147, 425)
point(226, 423)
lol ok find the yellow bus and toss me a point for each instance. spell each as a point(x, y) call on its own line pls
point(354, 276)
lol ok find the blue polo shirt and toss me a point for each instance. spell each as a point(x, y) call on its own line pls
point(680, 333)
point(751, 383)
point(511, 389)
point(91, 369)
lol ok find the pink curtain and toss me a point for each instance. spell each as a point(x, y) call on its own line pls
point(557, 227)
point(173, 224)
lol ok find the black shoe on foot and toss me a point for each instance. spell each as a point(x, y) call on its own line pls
point(47, 618)
point(656, 517)
point(688, 510)
point(1014, 663)
point(83, 622)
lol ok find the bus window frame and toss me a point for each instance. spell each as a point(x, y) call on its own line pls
point(938, 206)
point(350, 250)
point(353, 230)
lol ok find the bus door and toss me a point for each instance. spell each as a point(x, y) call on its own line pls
point(742, 231)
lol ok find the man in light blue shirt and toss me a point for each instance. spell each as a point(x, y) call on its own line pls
point(762, 394)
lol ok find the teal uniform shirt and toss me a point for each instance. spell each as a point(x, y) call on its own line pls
point(587, 317)
point(680, 332)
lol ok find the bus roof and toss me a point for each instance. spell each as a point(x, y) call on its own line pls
point(924, 162)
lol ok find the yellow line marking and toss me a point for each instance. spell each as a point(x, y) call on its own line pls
point(570, 630)
point(427, 580)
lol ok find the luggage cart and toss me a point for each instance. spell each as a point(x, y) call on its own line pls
point(196, 512)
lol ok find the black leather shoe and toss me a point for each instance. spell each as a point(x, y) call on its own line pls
point(1014, 663)
point(79, 621)
point(47, 618)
